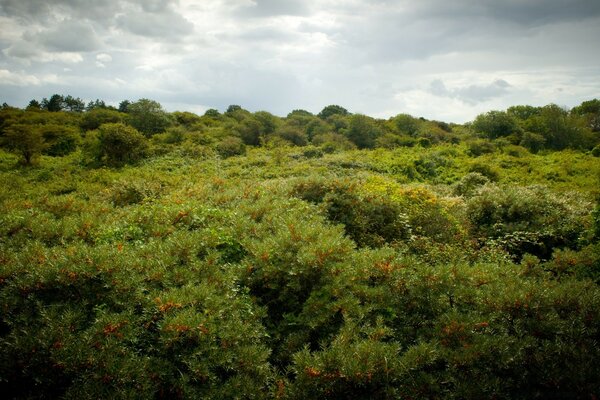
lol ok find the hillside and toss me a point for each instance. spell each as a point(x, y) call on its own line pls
point(147, 254)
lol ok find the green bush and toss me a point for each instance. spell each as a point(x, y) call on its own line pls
point(368, 220)
point(527, 219)
point(231, 146)
point(115, 145)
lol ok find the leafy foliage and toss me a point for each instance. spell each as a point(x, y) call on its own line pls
point(398, 258)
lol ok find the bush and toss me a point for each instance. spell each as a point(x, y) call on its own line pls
point(469, 184)
point(115, 145)
point(231, 146)
point(485, 170)
point(371, 221)
point(480, 147)
point(60, 140)
point(527, 219)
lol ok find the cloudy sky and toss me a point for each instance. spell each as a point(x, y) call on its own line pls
point(439, 59)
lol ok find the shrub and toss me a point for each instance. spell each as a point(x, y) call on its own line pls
point(231, 146)
point(485, 170)
point(479, 147)
point(527, 219)
point(60, 140)
point(368, 220)
point(469, 184)
point(116, 145)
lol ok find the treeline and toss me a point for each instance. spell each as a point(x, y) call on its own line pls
point(114, 136)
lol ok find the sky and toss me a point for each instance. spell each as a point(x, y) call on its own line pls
point(437, 59)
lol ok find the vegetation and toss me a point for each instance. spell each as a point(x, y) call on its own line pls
point(147, 254)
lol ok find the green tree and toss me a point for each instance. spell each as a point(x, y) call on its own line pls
point(495, 124)
point(60, 139)
point(55, 103)
point(148, 117)
point(116, 144)
point(34, 105)
point(98, 116)
point(24, 140)
point(363, 131)
point(124, 106)
point(333, 109)
point(73, 104)
point(590, 110)
point(406, 124)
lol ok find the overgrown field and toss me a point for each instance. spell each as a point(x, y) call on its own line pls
point(287, 271)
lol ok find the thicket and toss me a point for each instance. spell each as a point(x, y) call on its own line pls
point(244, 255)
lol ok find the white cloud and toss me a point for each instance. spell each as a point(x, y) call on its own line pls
point(104, 58)
point(22, 79)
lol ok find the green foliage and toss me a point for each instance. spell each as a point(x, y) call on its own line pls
point(363, 131)
point(92, 119)
point(231, 146)
point(368, 220)
point(406, 124)
point(469, 184)
point(148, 117)
point(323, 271)
point(527, 220)
point(116, 145)
point(480, 147)
point(24, 140)
point(495, 124)
point(331, 110)
point(60, 140)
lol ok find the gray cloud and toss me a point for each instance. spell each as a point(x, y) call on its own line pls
point(156, 19)
point(270, 8)
point(70, 36)
point(435, 58)
point(155, 25)
point(472, 93)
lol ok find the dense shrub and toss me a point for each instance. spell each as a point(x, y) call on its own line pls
point(115, 145)
point(527, 219)
point(368, 220)
point(231, 146)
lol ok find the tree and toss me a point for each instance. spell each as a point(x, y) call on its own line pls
point(60, 140)
point(73, 104)
point(98, 116)
point(590, 110)
point(34, 105)
point(406, 124)
point(332, 109)
point(25, 140)
point(124, 106)
point(523, 112)
point(212, 112)
point(495, 124)
point(233, 108)
point(116, 144)
point(92, 105)
point(363, 131)
point(55, 103)
point(148, 117)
